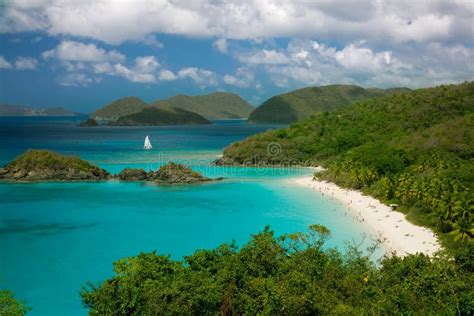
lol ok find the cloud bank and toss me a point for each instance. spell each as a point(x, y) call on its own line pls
point(379, 43)
point(114, 22)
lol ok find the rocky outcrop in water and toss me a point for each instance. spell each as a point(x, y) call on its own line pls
point(132, 174)
point(172, 173)
point(90, 122)
point(45, 165)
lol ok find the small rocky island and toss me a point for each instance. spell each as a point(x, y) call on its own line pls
point(45, 165)
point(90, 122)
point(172, 173)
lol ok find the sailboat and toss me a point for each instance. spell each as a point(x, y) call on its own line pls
point(147, 144)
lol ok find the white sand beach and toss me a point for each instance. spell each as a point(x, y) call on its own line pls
point(395, 232)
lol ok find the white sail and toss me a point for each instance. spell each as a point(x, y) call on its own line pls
point(147, 144)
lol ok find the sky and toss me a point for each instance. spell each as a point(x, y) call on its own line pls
point(82, 54)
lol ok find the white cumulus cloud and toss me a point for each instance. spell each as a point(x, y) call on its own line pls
point(146, 64)
point(80, 52)
point(221, 45)
point(134, 75)
point(242, 78)
point(26, 63)
point(75, 80)
point(115, 22)
point(264, 56)
point(202, 77)
point(167, 75)
point(4, 64)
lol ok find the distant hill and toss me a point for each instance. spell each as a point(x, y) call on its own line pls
point(118, 108)
point(300, 104)
point(218, 105)
point(152, 116)
point(19, 110)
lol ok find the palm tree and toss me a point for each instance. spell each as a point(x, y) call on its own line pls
point(463, 230)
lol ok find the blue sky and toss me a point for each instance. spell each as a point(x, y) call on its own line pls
point(82, 55)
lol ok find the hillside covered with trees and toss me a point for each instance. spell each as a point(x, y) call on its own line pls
point(300, 104)
point(288, 275)
point(118, 108)
point(152, 116)
point(414, 149)
point(213, 106)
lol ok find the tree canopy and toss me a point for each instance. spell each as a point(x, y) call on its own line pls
point(288, 275)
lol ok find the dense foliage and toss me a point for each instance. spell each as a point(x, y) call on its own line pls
point(153, 116)
point(118, 108)
point(301, 104)
point(288, 275)
point(9, 306)
point(45, 165)
point(36, 159)
point(218, 105)
point(415, 149)
point(171, 173)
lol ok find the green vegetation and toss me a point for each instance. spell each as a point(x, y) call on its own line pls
point(44, 165)
point(414, 149)
point(35, 165)
point(118, 108)
point(18, 110)
point(288, 275)
point(48, 159)
point(171, 173)
point(154, 116)
point(301, 104)
point(9, 306)
point(218, 105)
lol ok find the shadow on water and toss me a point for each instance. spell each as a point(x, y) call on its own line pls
point(24, 226)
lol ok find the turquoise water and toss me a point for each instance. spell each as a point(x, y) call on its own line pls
point(54, 237)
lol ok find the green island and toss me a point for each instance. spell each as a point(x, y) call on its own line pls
point(45, 165)
point(213, 106)
point(171, 173)
point(19, 110)
point(151, 116)
point(300, 104)
point(118, 108)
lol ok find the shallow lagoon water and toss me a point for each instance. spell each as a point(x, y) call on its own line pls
point(55, 237)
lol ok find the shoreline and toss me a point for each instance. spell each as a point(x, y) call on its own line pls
point(394, 231)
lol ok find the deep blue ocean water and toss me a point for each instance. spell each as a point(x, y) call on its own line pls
point(55, 237)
